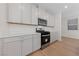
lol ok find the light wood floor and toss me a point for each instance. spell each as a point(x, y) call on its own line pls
point(67, 47)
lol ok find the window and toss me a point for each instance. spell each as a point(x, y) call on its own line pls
point(73, 24)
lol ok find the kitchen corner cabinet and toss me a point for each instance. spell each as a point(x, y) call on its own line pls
point(36, 42)
point(14, 12)
point(26, 13)
point(34, 15)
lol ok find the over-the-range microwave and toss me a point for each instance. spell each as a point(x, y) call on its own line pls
point(42, 22)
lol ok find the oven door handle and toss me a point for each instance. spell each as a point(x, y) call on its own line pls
point(46, 35)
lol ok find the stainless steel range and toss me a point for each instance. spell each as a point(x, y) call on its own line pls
point(45, 38)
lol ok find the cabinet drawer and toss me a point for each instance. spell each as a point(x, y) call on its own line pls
point(11, 39)
point(26, 36)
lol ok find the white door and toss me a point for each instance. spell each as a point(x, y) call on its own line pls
point(34, 15)
point(12, 48)
point(27, 46)
point(14, 12)
point(26, 13)
point(36, 42)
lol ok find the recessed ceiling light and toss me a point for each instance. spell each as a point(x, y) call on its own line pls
point(65, 6)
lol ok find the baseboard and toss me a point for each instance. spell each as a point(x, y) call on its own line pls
point(69, 37)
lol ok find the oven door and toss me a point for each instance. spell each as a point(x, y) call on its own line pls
point(45, 40)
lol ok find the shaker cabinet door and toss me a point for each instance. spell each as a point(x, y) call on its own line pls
point(50, 20)
point(34, 15)
point(12, 49)
point(26, 46)
point(26, 13)
point(14, 12)
point(36, 42)
point(53, 36)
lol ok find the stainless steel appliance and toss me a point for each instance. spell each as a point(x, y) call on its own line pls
point(42, 22)
point(45, 38)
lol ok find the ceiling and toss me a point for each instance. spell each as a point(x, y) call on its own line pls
point(55, 8)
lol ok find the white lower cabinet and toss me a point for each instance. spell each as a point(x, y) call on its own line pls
point(12, 48)
point(26, 46)
point(36, 42)
point(57, 36)
point(20, 46)
point(53, 36)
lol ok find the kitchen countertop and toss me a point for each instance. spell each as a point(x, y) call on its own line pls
point(7, 35)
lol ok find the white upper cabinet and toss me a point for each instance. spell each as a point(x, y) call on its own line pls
point(34, 15)
point(26, 13)
point(50, 20)
point(42, 13)
point(45, 16)
point(20, 13)
point(14, 12)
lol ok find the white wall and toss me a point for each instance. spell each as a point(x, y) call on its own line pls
point(65, 31)
point(14, 29)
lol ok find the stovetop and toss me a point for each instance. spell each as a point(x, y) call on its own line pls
point(43, 32)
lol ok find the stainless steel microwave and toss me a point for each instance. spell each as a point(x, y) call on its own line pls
point(42, 22)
